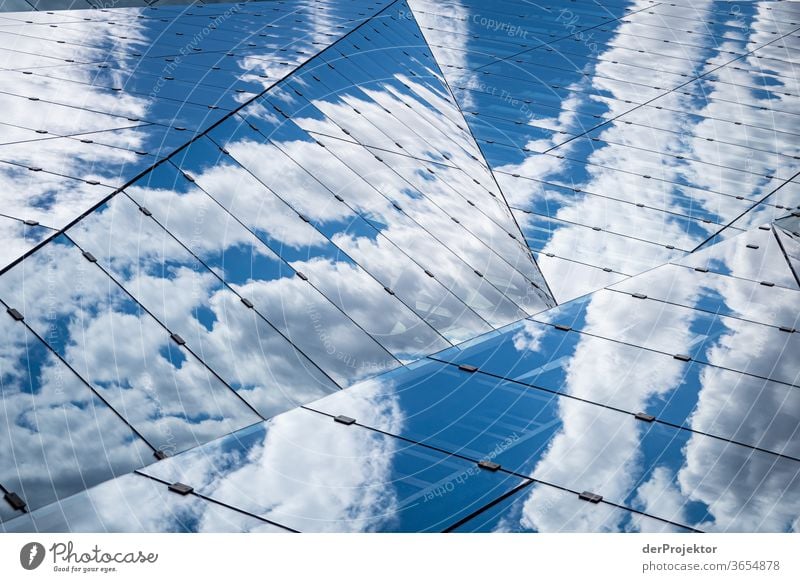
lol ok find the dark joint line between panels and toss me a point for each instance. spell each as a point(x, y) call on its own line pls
point(175, 486)
point(643, 416)
point(752, 207)
point(477, 512)
point(785, 254)
point(196, 137)
point(175, 337)
point(80, 377)
point(526, 478)
point(244, 300)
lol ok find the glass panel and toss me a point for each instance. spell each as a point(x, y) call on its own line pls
point(705, 126)
point(90, 71)
point(136, 504)
point(544, 509)
point(307, 472)
point(709, 159)
point(671, 329)
point(48, 198)
point(428, 249)
point(266, 371)
point(390, 177)
point(754, 255)
point(717, 294)
point(580, 446)
point(594, 247)
point(58, 436)
point(284, 230)
point(723, 403)
point(570, 279)
point(296, 183)
point(254, 272)
point(118, 348)
point(110, 157)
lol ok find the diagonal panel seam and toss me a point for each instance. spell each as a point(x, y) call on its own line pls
point(786, 255)
point(488, 166)
point(196, 137)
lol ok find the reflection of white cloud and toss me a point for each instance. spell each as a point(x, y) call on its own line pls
point(120, 351)
point(59, 438)
point(189, 300)
point(448, 36)
point(323, 477)
point(709, 165)
point(45, 197)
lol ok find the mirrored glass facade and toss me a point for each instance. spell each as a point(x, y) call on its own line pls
point(403, 266)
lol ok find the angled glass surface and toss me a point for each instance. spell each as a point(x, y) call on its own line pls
point(723, 403)
point(541, 508)
point(715, 293)
point(754, 255)
point(362, 197)
point(29, 193)
point(110, 157)
point(570, 279)
point(580, 446)
point(75, 71)
point(245, 350)
point(309, 473)
point(684, 332)
point(680, 154)
point(58, 436)
point(300, 184)
point(573, 205)
point(788, 235)
point(393, 101)
point(476, 249)
point(592, 246)
point(290, 234)
point(160, 388)
point(253, 271)
point(136, 504)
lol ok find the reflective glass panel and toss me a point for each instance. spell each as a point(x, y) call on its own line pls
point(58, 436)
point(127, 356)
point(137, 504)
point(307, 472)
